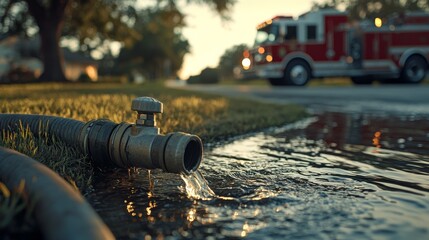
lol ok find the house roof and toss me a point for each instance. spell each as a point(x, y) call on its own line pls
point(30, 46)
point(77, 57)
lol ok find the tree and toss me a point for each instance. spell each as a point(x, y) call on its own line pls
point(90, 21)
point(161, 51)
point(50, 31)
point(230, 59)
point(207, 76)
point(361, 9)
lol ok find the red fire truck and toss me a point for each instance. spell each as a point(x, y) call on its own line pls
point(325, 43)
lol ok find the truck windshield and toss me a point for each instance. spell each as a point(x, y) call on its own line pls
point(267, 34)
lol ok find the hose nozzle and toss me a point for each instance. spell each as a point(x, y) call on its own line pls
point(178, 152)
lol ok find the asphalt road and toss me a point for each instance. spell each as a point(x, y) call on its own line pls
point(405, 99)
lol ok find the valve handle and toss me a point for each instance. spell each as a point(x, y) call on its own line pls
point(146, 105)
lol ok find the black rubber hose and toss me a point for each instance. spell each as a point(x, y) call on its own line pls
point(111, 144)
point(60, 211)
point(66, 130)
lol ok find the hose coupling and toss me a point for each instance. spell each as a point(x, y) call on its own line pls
point(141, 144)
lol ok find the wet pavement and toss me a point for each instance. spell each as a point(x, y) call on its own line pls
point(398, 99)
point(346, 172)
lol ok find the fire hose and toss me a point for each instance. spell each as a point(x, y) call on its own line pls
point(122, 145)
point(61, 211)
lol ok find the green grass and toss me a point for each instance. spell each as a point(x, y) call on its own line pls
point(16, 213)
point(330, 82)
point(67, 161)
point(251, 82)
point(211, 117)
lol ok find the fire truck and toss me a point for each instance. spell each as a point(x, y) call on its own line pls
point(325, 43)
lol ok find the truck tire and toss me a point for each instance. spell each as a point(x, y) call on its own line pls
point(362, 80)
point(297, 73)
point(414, 70)
point(277, 81)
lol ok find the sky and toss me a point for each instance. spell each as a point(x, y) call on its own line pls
point(209, 36)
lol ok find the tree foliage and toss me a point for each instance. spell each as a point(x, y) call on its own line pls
point(220, 6)
point(14, 18)
point(361, 9)
point(207, 76)
point(93, 23)
point(230, 59)
point(160, 52)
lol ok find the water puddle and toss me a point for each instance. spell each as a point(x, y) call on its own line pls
point(334, 175)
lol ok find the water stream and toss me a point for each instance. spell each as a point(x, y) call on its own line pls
point(335, 175)
point(197, 187)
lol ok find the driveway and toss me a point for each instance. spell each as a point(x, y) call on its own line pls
point(405, 99)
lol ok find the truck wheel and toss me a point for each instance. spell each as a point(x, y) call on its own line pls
point(364, 80)
point(276, 81)
point(297, 73)
point(414, 70)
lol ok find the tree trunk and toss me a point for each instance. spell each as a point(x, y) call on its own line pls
point(49, 19)
point(52, 57)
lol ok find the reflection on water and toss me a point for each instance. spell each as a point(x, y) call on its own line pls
point(331, 176)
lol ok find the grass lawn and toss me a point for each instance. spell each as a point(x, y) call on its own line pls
point(211, 117)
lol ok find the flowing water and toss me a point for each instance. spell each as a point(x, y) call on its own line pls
point(334, 175)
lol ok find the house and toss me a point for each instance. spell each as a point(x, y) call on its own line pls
point(14, 56)
point(77, 64)
point(20, 61)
